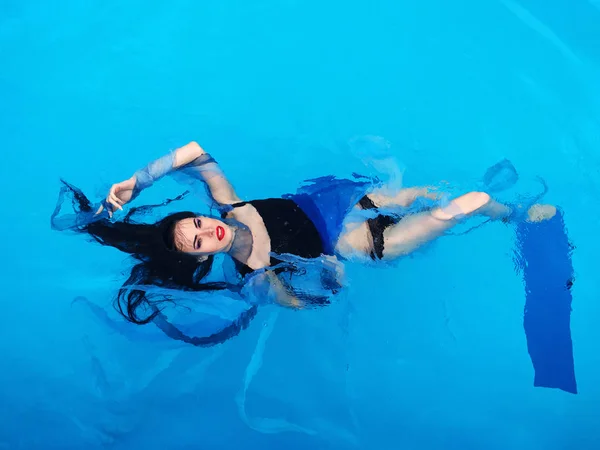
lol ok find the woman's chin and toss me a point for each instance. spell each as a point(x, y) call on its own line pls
point(229, 243)
point(227, 237)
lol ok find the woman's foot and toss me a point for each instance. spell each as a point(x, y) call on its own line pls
point(539, 212)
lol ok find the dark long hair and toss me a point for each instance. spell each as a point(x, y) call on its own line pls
point(159, 263)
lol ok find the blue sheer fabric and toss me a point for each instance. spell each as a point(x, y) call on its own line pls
point(327, 201)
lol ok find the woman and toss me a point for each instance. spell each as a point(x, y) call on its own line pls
point(271, 241)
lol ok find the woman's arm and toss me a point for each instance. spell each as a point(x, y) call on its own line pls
point(404, 197)
point(280, 294)
point(295, 293)
point(264, 286)
point(305, 283)
point(192, 160)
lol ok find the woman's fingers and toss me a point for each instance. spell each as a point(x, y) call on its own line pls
point(114, 191)
point(112, 197)
point(117, 199)
point(102, 209)
point(113, 201)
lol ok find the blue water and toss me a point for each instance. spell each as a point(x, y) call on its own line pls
point(428, 354)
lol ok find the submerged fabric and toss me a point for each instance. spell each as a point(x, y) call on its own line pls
point(327, 201)
point(153, 172)
point(544, 254)
point(500, 176)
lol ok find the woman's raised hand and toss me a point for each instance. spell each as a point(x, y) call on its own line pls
point(118, 195)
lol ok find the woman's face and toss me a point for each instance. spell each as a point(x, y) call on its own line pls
point(203, 235)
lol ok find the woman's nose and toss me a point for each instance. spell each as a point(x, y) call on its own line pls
point(208, 231)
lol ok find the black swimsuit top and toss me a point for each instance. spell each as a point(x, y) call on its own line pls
point(289, 228)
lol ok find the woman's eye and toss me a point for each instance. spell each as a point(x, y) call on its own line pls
point(198, 223)
point(198, 244)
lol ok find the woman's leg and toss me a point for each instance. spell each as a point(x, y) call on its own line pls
point(414, 230)
point(405, 197)
point(417, 229)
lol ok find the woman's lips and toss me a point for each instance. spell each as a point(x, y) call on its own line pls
point(220, 233)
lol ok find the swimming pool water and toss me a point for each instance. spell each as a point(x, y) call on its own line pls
point(427, 354)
